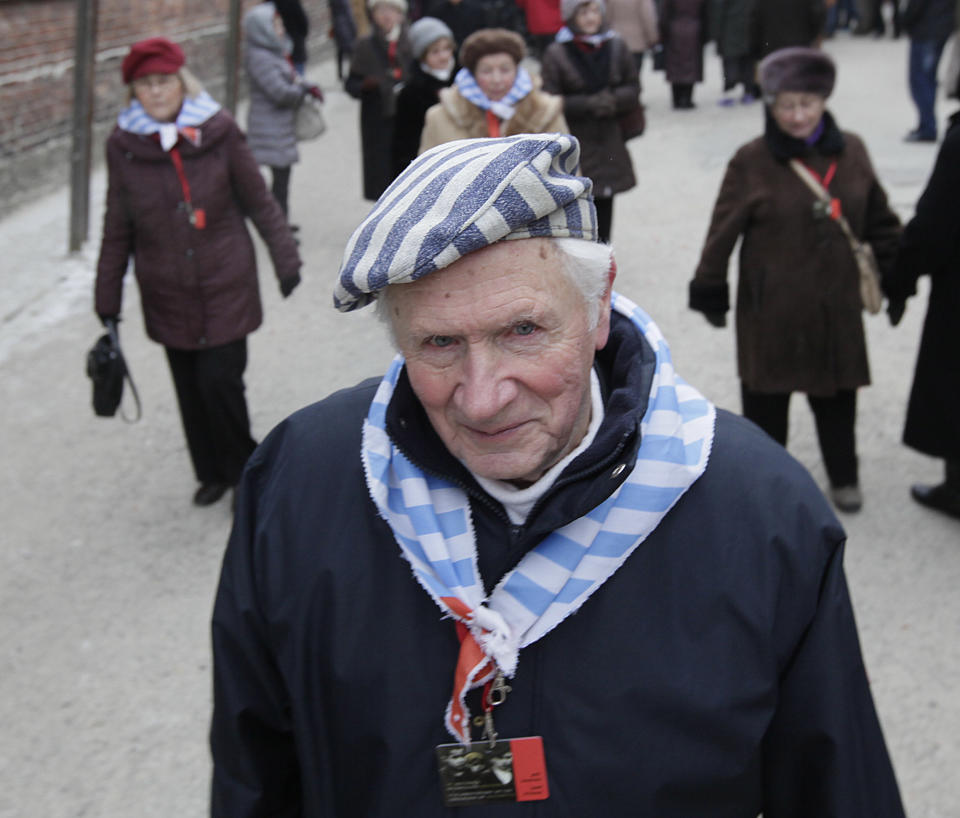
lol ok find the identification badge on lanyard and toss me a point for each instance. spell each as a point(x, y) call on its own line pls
point(491, 770)
point(487, 772)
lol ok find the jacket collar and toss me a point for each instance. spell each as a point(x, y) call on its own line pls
point(785, 147)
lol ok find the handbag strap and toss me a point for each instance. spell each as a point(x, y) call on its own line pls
point(821, 192)
point(115, 340)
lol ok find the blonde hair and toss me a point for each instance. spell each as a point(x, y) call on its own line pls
point(192, 87)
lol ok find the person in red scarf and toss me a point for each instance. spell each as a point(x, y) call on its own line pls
point(595, 73)
point(380, 65)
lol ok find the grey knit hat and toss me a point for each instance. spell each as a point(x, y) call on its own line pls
point(805, 70)
point(425, 32)
point(569, 7)
point(460, 197)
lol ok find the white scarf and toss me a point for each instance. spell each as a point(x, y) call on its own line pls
point(431, 521)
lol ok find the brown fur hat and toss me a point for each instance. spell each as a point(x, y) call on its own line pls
point(491, 41)
point(806, 70)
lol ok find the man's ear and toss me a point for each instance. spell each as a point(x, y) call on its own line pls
point(602, 332)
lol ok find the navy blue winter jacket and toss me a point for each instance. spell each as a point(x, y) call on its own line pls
point(716, 674)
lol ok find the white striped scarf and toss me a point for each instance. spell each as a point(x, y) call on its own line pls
point(466, 84)
point(431, 521)
point(193, 113)
point(459, 197)
point(567, 35)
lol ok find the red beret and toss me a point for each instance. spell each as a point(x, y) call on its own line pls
point(154, 56)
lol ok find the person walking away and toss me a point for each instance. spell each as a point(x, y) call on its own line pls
point(433, 47)
point(492, 95)
point(462, 17)
point(683, 32)
point(786, 23)
point(379, 67)
point(592, 69)
point(181, 181)
point(297, 26)
point(636, 22)
point(799, 312)
point(276, 91)
point(931, 246)
point(731, 26)
point(543, 21)
point(929, 24)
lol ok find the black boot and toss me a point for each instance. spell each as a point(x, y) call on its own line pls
point(676, 92)
point(944, 497)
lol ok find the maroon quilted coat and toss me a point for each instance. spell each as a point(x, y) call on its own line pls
point(198, 287)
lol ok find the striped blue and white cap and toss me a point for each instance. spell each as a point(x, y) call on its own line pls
point(459, 197)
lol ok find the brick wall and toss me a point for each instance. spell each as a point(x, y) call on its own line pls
point(36, 74)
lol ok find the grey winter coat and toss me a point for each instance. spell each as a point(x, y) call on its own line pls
point(275, 92)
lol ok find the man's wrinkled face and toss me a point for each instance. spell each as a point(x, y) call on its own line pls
point(499, 349)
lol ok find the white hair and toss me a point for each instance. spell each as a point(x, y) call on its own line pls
point(586, 264)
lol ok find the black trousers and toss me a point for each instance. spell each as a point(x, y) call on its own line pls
point(835, 417)
point(280, 186)
point(213, 408)
point(604, 207)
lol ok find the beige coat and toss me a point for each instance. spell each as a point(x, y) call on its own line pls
point(456, 118)
point(635, 21)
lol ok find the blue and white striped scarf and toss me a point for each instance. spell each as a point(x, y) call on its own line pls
point(466, 84)
point(431, 521)
point(566, 35)
point(193, 113)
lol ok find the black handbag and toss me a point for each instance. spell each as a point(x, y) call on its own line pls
point(633, 123)
point(107, 369)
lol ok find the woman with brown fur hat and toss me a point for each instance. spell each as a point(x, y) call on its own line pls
point(799, 324)
point(492, 95)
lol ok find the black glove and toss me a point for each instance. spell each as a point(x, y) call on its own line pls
point(287, 285)
point(716, 319)
point(895, 310)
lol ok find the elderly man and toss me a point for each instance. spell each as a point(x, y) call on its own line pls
point(530, 563)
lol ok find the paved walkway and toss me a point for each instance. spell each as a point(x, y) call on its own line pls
point(107, 572)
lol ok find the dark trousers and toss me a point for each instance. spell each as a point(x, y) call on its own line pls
point(924, 59)
point(604, 207)
point(834, 416)
point(210, 392)
point(281, 186)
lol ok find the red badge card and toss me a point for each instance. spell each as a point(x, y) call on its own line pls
point(508, 770)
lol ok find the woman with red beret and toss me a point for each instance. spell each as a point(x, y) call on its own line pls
point(181, 184)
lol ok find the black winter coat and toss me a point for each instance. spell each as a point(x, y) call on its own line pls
point(372, 59)
point(929, 19)
point(782, 23)
point(581, 78)
point(716, 674)
point(420, 94)
point(683, 32)
point(931, 246)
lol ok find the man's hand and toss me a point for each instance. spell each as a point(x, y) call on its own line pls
point(716, 319)
point(895, 310)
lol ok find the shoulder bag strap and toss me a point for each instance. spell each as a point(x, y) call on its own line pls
point(821, 193)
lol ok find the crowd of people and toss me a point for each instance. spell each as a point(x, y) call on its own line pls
point(531, 452)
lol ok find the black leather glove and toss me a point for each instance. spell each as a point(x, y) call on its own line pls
point(287, 285)
point(716, 319)
point(895, 310)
